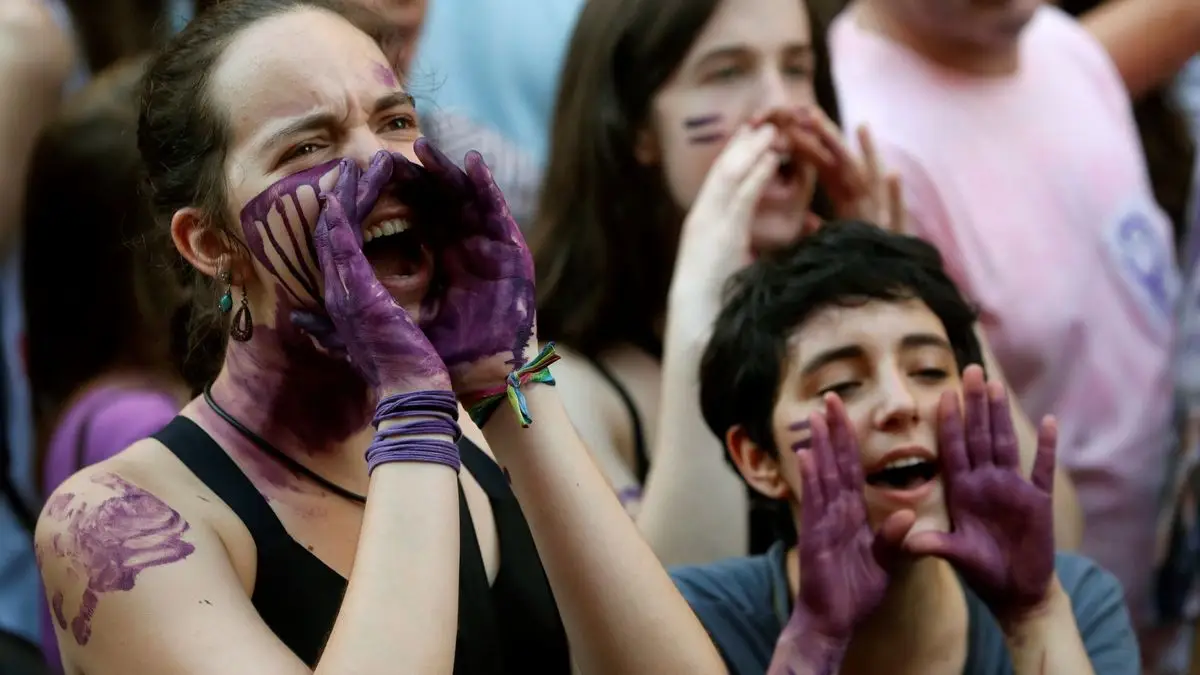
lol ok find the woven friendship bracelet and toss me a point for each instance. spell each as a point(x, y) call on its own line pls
point(537, 370)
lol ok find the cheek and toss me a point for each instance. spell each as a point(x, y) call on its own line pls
point(278, 227)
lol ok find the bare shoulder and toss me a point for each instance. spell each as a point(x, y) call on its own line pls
point(128, 555)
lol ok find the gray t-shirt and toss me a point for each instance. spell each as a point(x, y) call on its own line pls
point(744, 603)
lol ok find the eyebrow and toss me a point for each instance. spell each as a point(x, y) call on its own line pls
point(733, 52)
point(324, 119)
point(911, 341)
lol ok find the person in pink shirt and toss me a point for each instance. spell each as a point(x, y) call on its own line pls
point(1013, 133)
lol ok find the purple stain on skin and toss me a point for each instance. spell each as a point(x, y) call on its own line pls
point(282, 214)
point(112, 543)
point(385, 75)
point(706, 139)
point(702, 121)
point(289, 392)
point(804, 443)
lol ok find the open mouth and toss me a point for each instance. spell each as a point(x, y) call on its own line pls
point(789, 169)
point(394, 248)
point(904, 473)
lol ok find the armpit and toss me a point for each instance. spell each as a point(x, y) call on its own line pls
point(99, 543)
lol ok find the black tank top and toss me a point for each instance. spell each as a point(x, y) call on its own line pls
point(513, 626)
point(769, 522)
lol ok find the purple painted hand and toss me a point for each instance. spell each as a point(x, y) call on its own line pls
point(844, 567)
point(378, 336)
point(482, 319)
point(1003, 531)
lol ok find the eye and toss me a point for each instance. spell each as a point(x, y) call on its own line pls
point(801, 70)
point(842, 389)
point(403, 122)
point(306, 148)
point(724, 73)
point(931, 374)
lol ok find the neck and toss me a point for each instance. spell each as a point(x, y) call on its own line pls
point(298, 399)
point(956, 55)
point(922, 617)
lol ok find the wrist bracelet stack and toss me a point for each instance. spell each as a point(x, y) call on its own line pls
point(420, 415)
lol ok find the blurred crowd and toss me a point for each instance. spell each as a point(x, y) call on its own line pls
point(650, 151)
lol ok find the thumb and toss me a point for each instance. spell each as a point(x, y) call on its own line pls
point(889, 539)
point(937, 544)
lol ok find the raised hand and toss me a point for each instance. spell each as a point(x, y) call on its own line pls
point(481, 319)
point(715, 240)
point(845, 568)
point(1002, 541)
point(859, 188)
point(378, 336)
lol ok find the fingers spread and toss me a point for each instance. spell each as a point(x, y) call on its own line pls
point(952, 448)
point(1043, 463)
point(1005, 452)
point(979, 428)
point(845, 446)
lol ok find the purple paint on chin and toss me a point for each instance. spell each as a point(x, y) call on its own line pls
point(706, 139)
point(112, 543)
point(385, 75)
point(254, 219)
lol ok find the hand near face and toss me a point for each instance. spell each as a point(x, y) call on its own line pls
point(1003, 536)
point(715, 241)
point(860, 189)
point(845, 567)
point(481, 320)
point(377, 335)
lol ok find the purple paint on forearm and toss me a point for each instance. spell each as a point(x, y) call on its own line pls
point(110, 544)
point(297, 278)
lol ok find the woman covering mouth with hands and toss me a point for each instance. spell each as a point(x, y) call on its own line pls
point(241, 536)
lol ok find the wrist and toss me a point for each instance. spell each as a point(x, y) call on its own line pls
point(1020, 625)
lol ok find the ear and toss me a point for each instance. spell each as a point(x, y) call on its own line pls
point(646, 149)
point(206, 248)
point(759, 468)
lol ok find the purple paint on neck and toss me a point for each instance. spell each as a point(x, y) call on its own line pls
point(702, 121)
point(287, 391)
point(297, 230)
point(111, 543)
point(385, 75)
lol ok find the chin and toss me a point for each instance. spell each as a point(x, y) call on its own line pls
point(774, 230)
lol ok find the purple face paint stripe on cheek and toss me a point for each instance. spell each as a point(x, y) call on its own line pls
point(799, 426)
point(256, 211)
point(300, 271)
point(702, 121)
point(706, 139)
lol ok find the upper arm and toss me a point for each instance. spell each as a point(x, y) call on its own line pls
point(1121, 26)
point(1102, 618)
point(134, 587)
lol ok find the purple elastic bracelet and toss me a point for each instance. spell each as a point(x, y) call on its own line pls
point(428, 426)
point(426, 451)
point(415, 404)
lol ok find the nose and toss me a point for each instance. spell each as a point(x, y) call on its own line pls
point(362, 146)
point(774, 92)
point(896, 407)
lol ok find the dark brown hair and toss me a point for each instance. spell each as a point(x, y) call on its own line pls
point(183, 139)
point(607, 230)
point(1166, 140)
point(94, 302)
